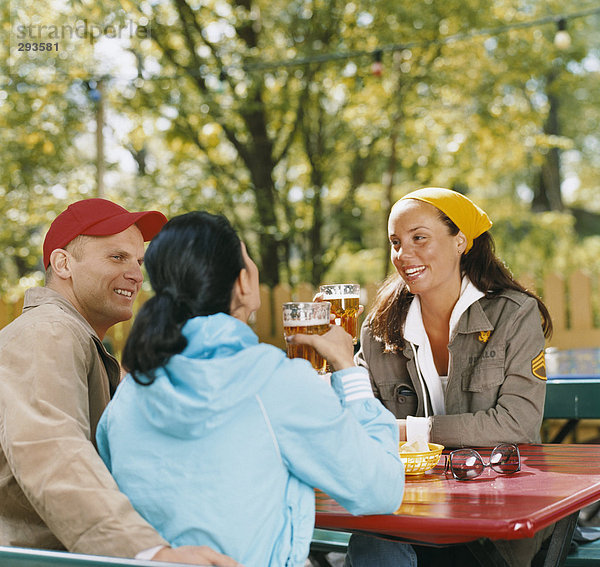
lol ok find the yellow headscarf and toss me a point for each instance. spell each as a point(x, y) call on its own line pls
point(466, 215)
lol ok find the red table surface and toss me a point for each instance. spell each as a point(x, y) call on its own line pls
point(554, 481)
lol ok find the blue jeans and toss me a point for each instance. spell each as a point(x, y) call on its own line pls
point(369, 551)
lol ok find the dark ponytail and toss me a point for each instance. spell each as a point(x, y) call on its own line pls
point(192, 265)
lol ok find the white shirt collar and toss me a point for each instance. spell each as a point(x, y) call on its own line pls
point(469, 294)
point(414, 332)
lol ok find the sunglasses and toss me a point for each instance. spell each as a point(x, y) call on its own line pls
point(467, 464)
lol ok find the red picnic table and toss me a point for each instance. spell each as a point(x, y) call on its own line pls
point(554, 483)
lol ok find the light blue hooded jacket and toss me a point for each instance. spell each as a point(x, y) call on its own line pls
point(225, 447)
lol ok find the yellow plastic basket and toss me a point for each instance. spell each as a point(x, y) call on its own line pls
point(418, 463)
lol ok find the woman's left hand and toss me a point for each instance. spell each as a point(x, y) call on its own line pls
point(335, 345)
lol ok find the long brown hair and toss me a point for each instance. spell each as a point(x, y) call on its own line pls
point(481, 265)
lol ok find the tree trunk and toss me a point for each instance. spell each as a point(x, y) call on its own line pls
point(546, 194)
point(258, 158)
point(314, 146)
point(316, 244)
point(264, 191)
point(389, 190)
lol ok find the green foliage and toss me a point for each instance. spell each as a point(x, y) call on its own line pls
point(533, 244)
point(306, 160)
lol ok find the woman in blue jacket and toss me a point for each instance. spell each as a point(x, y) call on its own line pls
point(219, 440)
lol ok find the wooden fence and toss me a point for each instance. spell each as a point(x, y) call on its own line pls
point(573, 303)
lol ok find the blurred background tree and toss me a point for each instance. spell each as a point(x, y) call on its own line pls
point(304, 120)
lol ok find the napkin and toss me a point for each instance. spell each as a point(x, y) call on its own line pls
point(417, 445)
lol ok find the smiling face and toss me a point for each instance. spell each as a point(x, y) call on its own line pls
point(105, 276)
point(423, 251)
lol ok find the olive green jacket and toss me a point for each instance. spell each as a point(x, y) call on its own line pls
point(56, 378)
point(496, 377)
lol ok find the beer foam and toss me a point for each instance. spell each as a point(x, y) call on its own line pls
point(340, 296)
point(305, 322)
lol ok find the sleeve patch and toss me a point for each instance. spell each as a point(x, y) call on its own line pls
point(538, 366)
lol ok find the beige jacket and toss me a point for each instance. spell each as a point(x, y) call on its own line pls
point(496, 380)
point(56, 378)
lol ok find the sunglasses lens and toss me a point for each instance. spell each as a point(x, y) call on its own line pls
point(505, 459)
point(466, 464)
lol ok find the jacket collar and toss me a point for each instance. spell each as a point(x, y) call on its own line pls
point(475, 321)
point(216, 335)
point(469, 296)
point(467, 316)
point(414, 331)
point(37, 296)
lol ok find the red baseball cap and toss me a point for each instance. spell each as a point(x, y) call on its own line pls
point(98, 217)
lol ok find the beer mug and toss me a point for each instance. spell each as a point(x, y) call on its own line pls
point(344, 299)
point(309, 319)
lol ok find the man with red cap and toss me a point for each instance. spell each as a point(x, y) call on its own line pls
point(56, 378)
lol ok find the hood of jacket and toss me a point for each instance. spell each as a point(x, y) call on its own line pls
point(222, 365)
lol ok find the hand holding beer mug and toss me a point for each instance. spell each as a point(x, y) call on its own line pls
point(309, 319)
point(344, 299)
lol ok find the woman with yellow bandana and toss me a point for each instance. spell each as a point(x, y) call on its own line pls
point(454, 347)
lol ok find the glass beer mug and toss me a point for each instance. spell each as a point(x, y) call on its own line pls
point(306, 318)
point(345, 300)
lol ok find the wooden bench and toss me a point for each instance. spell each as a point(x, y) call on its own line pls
point(586, 554)
point(25, 557)
point(324, 542)
point(329, 540)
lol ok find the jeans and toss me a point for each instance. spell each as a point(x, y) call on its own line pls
point(369, 551)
